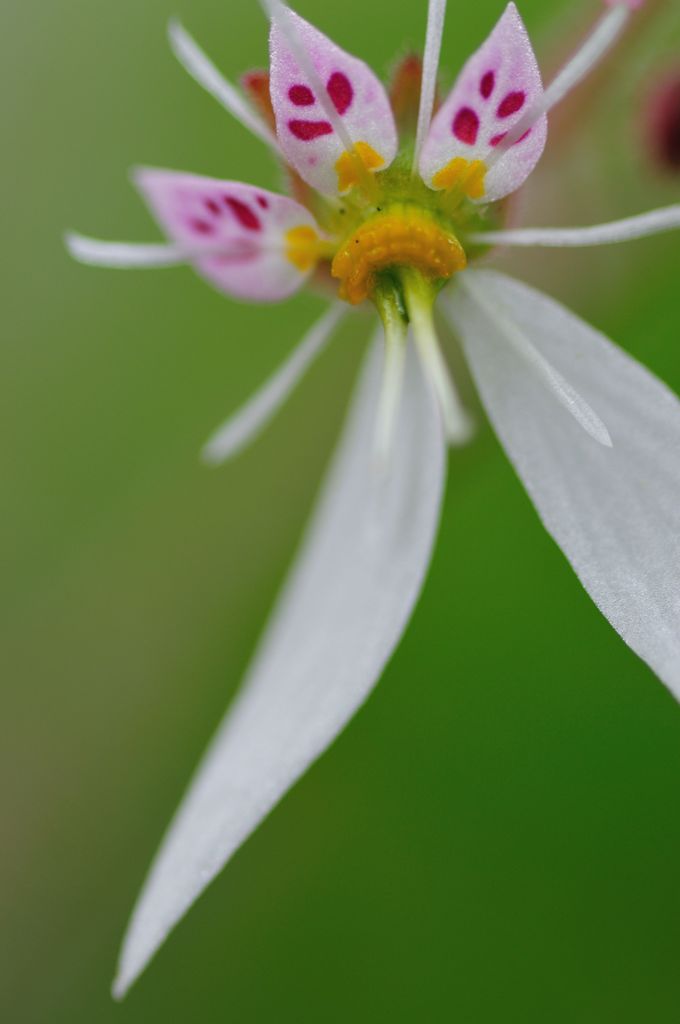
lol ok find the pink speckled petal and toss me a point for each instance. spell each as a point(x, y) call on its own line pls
point(499, 83)
point(251, 222)
point(310, 142)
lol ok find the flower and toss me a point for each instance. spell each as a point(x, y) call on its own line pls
point(399, 223)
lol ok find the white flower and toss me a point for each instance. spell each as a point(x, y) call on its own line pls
point(592, 434)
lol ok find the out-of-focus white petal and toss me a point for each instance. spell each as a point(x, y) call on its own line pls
point(246, 423)
point(202, 70)
point(615, 512)
point(653, 222)
point(342, 613)
point(588, 56)
point(96, 252)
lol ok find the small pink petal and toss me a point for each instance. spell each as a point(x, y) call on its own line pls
point(497, 86)
point(306, 134)
point(250, 222)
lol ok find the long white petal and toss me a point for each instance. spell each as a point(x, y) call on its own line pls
point(124, 255)
point(615, 512)
point(436, 13)
point(651, 223)
point(246, 423)
point(347, 603)
point(203, 71)
point(601, 39)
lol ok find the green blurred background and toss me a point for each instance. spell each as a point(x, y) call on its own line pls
point(496, 837)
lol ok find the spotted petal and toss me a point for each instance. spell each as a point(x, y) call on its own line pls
point(339, 619)
point(497, 86)
point(318, 120)
point(270, 242)
point(614, 511)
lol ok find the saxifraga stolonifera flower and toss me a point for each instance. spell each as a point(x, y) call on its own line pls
point(399, 223)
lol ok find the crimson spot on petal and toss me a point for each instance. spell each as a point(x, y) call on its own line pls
point(244, 215)
point(511, 103)
point(201, 227)
point(307, 130)
point(213, 206)
point(301, 95)
point(487, 83)
point(466, 125)
point(263, 202)
point(340, 91)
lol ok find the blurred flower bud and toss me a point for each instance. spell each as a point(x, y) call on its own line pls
point(662, 121)
point(256, 86)
point(405, 92)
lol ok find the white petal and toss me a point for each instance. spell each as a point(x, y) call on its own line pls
point(605, 33)
point(246, 423)
point(436, 12)
point(615, 512)
point(653, 222)
point(203, 71)
point(346, 604)
point(125, 255)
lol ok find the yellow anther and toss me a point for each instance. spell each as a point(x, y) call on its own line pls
point(352, 166)
point(303, 247)
point(402, 236)
point(466, 175)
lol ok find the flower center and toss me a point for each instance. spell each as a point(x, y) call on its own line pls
point(401, 236)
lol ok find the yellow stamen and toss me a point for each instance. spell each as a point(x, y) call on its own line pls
point(352, 166)
point(466, 175)
point(303, 247)
point(402, 236)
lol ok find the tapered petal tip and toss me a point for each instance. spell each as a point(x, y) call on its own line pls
point(119, 988)
point(603, 436)
point(209, 455)
point(374, 544)
point(614, 509)
point(76, 245)
point(175, 29)
point(69, 238)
